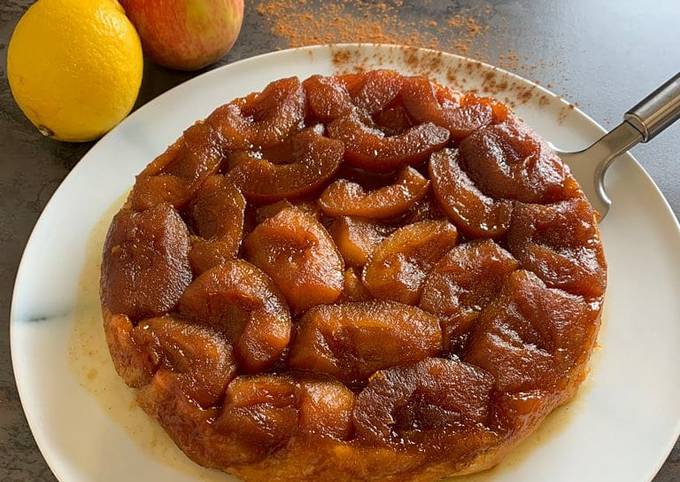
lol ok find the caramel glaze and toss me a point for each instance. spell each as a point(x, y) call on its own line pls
point(357, 277)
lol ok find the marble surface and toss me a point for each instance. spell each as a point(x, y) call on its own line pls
point(604, 55)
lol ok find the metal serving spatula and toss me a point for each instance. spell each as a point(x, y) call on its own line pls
point(649, 117)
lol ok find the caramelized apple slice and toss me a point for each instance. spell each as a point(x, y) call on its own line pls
point(186, 355)
point(356, 238)
point(325, 408)
point(423, 403)
point(327, 98)
point(200, 358)
point(260, 414)
point(392, 121)
point(462, 283)
point(370, 149)
point(561, 244)
point(264, 119)
point(270, 210)
point(367, 179)
point(352, 340)
point(398, 265)
point(332, 97)
point(531, 336)
point(510, 161)
point(243, 303)
point(174, 176)
point(146, 262)
point(217, 213)
point(352, 81)
point(260, 410)
point(460, 119)
point(188, 424)
point(192, 427)
point(427, 209)
point(345, 198)
point(297, 252)
point(354, 289)
point(477, 215)
point(378, 89)
point(132, 362)
point(264, 411)
point(316, 159)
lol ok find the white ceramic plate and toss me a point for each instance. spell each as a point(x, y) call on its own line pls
point(620, 428)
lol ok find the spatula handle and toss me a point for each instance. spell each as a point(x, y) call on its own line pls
point(658, 110)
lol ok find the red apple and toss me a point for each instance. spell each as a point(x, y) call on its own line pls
point(186, 34)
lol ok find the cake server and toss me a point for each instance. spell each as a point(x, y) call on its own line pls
point(642, 123)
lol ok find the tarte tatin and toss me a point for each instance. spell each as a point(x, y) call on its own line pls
point(356, 277)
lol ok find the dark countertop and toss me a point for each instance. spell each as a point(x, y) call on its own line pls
point(602, 54)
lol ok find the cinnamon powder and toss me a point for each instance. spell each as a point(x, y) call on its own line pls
point(463, 31)
point(305, 22)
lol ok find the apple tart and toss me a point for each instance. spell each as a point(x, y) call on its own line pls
point(354, 277)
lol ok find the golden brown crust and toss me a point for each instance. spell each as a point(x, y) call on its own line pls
point(409, 310)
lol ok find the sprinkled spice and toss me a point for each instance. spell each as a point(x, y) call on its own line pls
point(463, 31)
point(304, 22)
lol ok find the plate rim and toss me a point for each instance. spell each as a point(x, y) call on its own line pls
point(38, 435)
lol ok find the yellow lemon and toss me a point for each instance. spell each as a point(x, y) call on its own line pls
point(75, 67)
